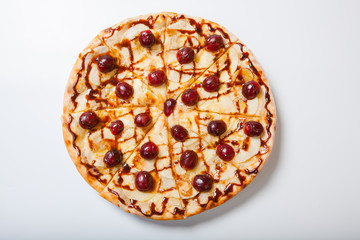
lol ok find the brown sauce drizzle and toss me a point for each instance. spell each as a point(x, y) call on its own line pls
point(74, 136)
point(78, 76)
point(167, 190)
point(152, 209)
point(178, 211)
point(126, 43)
point(87, 81)
point(132, 203)
point(75, 92)
point(149, 22)
point(223, 33)
point(229, 187)
point(245, 145)
point(227, 191)
point(92, 94)
point(117, 195)
point(119, 180)
point(214, 198)
point(238, 128)
point(244, 56)
point(94, 172)
point(255, 170)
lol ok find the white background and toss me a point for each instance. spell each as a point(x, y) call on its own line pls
point(310, 187)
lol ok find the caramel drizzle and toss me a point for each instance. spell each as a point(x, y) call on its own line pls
point(149, 22)
point(152, 209)
point(255, 170)
point(238, 128)
point(117, 195)
point(94, 172)
point(218, 194)
point(78, 76)
point(74, 136)
point(229, 187)
point(178, 211)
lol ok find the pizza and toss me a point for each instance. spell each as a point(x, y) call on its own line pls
point(168, 115)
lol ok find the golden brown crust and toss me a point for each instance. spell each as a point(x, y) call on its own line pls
point(68, 139)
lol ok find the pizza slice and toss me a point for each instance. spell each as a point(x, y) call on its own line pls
point(138, 44)
point(98, 141)
point(99, 81)
point(235, 84)
point(145, 186)
point(213, 157)
point(203, 179)
point(242, 141)
point(191, 45)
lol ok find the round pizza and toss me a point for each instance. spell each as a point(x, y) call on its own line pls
point(167, 115)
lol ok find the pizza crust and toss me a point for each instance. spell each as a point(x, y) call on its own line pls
point(185, 210)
